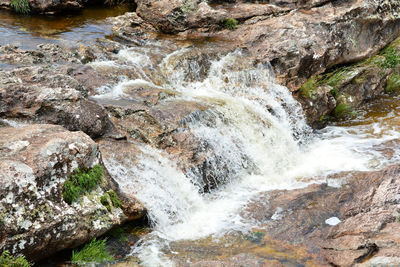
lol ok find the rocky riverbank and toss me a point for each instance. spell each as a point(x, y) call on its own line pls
point(334, 56)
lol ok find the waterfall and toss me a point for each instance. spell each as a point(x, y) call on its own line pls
point(254, 134)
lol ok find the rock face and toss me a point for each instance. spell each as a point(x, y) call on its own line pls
point(35, 161)
point(338, 93)
point(49, 92)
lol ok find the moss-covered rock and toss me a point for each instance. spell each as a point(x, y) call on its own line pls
point(336, 94)
point(39, 213)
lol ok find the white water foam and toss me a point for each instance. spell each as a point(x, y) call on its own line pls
point(255, 130)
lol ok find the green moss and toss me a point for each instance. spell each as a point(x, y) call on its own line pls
point(80, 182)
point(20, 6)
point(342, 110)
point(338, 77)
point(391, 58)
point(393, 83)
point(105, 202)
point(231, 24)
point(334, 92)
point(110, 196)
point(309, 88)
point(188, 6)
point(114, 199)
point(94, 252)
point(118, 232)
point(7, 260)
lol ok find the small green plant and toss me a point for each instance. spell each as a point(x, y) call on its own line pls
point(111, 195)
point(7, 260)
point(105, 202)
point(114, 199)
point(21, 6)
point(231, 24)
point(393, 83)
point(309, 88)
point(334, 92)
point(392, 58)
point(95, 251)
point(188, 6)
point(342, 110)
point(80, 182)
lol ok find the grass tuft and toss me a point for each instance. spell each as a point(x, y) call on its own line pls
point(7, 260)
point(21, 6)
point(93, 252)
point(393, 83)
point(392, 58)
point(231, 24)
point(114, 199)
point(105, 202)
point(80, 182)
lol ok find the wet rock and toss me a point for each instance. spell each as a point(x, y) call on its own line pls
point(124, 153)
point(367, 207)
point(178, 15)
point(35, 161)
point(294, 227)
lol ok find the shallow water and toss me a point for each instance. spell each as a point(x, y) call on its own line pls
point(28, 31)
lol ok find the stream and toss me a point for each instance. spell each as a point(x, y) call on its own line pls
point(253, 129)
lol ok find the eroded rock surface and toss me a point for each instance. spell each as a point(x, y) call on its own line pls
point(35, 161)
point(54, 90)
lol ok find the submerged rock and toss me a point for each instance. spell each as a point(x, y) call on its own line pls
point(35, 162)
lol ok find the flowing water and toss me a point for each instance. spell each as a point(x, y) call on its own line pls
point(258, 136)
point(254, 131)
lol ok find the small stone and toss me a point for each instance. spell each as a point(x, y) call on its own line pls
point(332, 221)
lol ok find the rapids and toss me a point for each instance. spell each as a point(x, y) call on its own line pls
point(258, 135)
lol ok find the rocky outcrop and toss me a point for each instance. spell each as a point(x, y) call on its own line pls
point(366, 209)
point(54, 90)
point(337, 94)
point(35, 162)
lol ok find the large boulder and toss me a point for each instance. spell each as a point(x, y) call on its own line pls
point(35, 162)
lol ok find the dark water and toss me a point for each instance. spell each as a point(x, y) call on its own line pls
point(28, 31)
